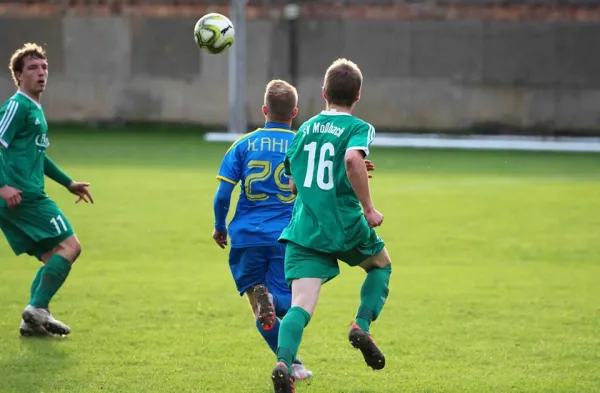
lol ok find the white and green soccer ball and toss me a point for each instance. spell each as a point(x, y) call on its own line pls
point(214, 33)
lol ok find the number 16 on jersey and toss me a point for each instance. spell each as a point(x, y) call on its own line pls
point(324, 175)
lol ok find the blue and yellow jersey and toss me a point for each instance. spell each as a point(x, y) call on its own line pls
point(264, 208)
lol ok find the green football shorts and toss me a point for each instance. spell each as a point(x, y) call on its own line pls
point(302, 262)
point(34, 226)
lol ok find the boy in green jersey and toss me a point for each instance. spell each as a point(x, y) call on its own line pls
point(31, 222)
point(333, 219)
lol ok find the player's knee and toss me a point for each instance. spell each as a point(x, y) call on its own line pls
point(76, 250)
point(382, 260)
point(378, 261)
point(70, 248)
point(45, 257)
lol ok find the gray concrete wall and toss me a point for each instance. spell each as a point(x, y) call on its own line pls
point(418, 74)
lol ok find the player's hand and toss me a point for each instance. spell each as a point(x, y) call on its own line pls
point(370, 167)
point(11, 195)
point(374, 218)
point(81, 190)
point(220, 237)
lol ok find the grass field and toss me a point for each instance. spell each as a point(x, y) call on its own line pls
point(495, 287)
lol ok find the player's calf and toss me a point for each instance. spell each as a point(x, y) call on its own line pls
point(58, 263)
point(375, 289)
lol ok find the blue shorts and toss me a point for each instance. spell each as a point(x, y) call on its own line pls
point(251, 266)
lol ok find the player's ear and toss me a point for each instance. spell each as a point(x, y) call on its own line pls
point(358, 97)
point(324, 94)
point(265, 110)
point(294, 112)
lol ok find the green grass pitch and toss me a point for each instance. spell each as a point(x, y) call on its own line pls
point(495, 284)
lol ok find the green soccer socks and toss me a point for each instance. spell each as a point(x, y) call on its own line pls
point(53, 276)
point(36, 283)
point(373, 295)
point(290, 335)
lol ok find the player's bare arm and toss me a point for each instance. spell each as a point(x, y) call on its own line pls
point(356, 169)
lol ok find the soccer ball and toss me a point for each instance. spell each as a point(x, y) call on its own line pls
point(214, 33)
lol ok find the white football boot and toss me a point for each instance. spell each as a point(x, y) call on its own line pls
point(300, 372)
point(40, 317)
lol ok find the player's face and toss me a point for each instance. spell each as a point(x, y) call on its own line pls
point(34, 76)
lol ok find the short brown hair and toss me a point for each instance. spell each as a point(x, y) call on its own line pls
point(343, 81)
point(17, 60)
point(281, 99)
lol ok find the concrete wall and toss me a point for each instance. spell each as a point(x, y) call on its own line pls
point(418, 74)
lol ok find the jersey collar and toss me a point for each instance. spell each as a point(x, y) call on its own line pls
point(273, 124)
point(333, 112)
point(30, 99)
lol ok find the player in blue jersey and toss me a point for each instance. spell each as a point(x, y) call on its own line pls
point(264, 209)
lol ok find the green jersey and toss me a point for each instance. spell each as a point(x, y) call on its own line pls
point(327, 214)
point(23, 144)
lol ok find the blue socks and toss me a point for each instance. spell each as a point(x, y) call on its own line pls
point(271, 336)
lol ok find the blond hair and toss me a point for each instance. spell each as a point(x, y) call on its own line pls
point(281, 98)
point(17, 60)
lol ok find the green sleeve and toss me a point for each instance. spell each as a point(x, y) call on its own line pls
point(12, 118)
point(361, 138)
point(53, 172)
